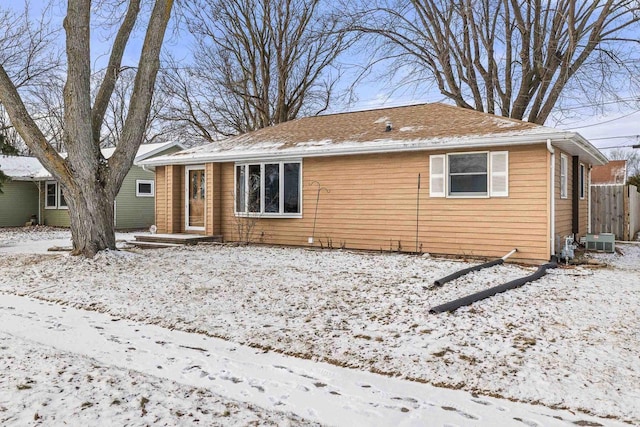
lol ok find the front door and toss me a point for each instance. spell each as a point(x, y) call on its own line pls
point(195, 198)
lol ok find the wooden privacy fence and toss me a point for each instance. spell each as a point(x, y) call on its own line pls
point(615, 209)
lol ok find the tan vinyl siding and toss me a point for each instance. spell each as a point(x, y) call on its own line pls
point(174, 204)
point(133, 211)
point(213, 195)
point(160, 200)
point(372, 205)
point(584, 205)
point(169, 199)
point(564, 207)
point(18, 201)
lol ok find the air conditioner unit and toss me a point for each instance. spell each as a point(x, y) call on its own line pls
point(605, 242)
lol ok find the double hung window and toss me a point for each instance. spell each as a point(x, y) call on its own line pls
point(478, 174)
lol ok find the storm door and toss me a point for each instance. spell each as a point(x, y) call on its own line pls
point(196, 192)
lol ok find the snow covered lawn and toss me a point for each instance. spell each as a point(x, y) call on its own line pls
point(570, 340)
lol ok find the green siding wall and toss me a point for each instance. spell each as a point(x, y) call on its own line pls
point(132, 211)
point(18, 202)
point(55, 217)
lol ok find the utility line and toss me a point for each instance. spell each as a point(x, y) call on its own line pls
point(602, 123)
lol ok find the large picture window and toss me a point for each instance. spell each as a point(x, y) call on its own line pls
point(268, 189)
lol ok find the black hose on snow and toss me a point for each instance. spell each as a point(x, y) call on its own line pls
point(459, 273)
point(462, 272)
point(470, 299)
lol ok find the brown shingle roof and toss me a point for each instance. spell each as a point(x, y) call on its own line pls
point(414, 127)
point(409, 122)
point(614, 172)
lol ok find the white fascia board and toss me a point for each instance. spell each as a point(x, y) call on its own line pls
point(365, 148)
point(151, 153)
point(594, 155)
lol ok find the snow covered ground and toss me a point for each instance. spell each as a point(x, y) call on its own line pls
point(570, 340)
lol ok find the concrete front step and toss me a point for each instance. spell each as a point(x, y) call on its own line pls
point(177, 239)
point(151, 245)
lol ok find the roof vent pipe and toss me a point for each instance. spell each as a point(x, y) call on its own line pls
point(388, 127)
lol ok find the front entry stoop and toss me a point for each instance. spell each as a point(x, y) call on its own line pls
point(156, 241)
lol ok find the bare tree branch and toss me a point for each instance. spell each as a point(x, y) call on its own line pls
point(510, 57)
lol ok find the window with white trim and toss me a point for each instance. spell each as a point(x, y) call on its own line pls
point(564, 179)
point(583, 180)
point(62, 202)
point(476, 174)
point(145, 188)
point(269, 189)
point(51, 195)
point(467, 174)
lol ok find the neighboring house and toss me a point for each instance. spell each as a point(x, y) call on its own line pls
point(615, 206)
point(487, 184)
point(19, 199)
point(32, 192)
point(613, 173)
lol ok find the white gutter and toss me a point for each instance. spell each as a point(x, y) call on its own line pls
point(552, 214)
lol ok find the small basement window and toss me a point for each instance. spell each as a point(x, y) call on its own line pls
point(145, 188)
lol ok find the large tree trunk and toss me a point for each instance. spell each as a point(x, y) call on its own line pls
point(91, 212)
point(89, 181)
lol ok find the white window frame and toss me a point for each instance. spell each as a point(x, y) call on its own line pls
point(564, 177)
point(46, 195)
point(467, 195)
point(582, 177)
point(145, 181)
point(59, 197)
point(187, 185)
point(445, 177)
point(262, 213)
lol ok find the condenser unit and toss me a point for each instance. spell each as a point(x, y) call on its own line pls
point(605, 242)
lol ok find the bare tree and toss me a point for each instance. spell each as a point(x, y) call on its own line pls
point(256, 63)
point(509, 57)
point(28, 56)
point(90, 182)
point(118, 108)
point(630, 155)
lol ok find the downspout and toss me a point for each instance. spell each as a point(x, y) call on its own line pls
point(40, 202)
point(552, 214)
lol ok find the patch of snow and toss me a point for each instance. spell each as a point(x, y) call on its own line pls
point(568, 340)
point(383, 119)
point(501, 122)
point(61, 364)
